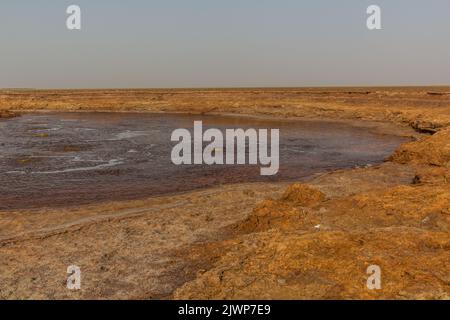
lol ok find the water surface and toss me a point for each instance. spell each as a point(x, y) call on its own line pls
point(58, 159)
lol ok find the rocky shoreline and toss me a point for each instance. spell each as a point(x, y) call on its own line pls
point(310, 240)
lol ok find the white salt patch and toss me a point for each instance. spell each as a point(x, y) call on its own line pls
point(85, 129)
point(51, 157)
point(49, 129)
point(78, 159)
point(15, 172)
point(111, 163)
point(128, 134)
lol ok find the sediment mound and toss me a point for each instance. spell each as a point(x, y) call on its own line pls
point(302, 195)
point(306, 245)
point(434, 150)
point(290, 211)
point(271, 214)
point(327, 265)
point(404, 230)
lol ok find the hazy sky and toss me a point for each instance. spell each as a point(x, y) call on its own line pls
point(223, 43)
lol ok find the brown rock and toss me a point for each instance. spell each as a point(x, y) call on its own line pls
point(432, 175)
point(328, 265)
point(271, 214)
point(434, 150)
point(302, 195)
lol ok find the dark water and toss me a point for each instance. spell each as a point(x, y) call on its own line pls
point(77, 158)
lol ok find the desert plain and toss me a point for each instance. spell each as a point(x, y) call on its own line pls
point(312, 239)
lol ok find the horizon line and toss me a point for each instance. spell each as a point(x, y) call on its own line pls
point(228, 87)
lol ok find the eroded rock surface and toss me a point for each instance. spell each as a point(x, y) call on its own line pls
point(312, 240)
point(306, 245)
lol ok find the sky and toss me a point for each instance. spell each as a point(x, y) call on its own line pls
point(223, 43)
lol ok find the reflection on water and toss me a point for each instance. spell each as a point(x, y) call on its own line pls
point(76, 158)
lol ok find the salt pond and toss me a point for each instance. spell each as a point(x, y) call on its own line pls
point(58, 159)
